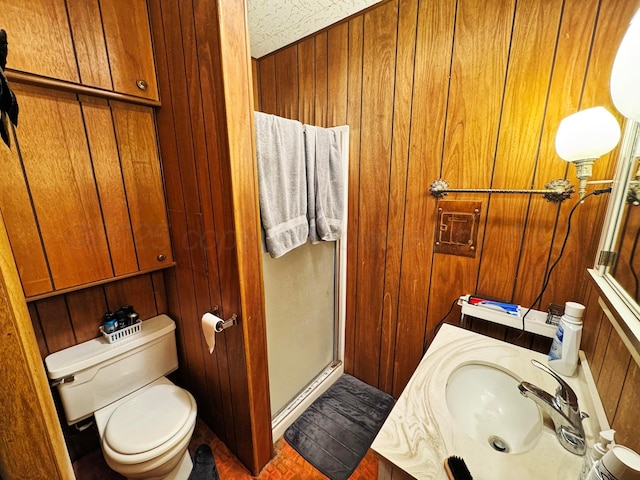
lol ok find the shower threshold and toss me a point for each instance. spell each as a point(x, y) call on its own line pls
point(285, 417)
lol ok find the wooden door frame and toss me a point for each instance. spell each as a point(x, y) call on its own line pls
point(31, 441)
point(237, 79)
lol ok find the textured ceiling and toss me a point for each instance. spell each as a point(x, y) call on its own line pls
point(274, 24)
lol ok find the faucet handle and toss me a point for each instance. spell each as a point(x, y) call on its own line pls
point(564, 392)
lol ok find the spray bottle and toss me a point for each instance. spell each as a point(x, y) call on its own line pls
point(563, 356)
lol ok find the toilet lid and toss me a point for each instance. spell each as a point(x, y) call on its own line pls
point(148, 420)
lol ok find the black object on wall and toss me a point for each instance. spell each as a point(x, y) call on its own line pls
point(8, 102)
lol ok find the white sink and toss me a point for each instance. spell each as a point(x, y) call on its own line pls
point(465, 391)
point(484, 402)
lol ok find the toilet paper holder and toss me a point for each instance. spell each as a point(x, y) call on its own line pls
point(230, 322)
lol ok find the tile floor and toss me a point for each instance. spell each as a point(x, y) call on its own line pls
point(286, 465)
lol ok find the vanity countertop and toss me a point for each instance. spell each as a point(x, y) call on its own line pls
point(420, 434)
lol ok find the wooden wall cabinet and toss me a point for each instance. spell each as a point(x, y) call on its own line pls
point(103, 44)
point(82, 193)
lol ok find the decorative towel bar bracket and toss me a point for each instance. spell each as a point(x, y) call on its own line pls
point(230, 322)
point(557, 191)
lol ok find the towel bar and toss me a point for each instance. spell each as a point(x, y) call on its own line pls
point(557, 191)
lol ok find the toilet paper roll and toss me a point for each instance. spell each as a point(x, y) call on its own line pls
point(210, 325)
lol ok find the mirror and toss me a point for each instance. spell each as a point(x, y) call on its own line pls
point(626, 268)
point(617, 269)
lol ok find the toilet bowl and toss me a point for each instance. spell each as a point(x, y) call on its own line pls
point(145, 434)
point(145, 422)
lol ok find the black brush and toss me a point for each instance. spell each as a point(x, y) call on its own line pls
point(456, 469)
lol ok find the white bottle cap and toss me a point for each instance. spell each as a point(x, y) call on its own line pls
point(600, 448)
point(606, 436)
point(573, 309)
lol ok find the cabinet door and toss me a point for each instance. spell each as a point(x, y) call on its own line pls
point(55, 155)
point(89, 43)
point(39, 38)
point(136, 135)
point(113, 199)
point(128, 38)
point(15, 205)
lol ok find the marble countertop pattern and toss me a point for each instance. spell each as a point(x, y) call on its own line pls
point(420, 434)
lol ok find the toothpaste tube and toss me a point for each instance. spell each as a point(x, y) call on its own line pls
point(503, 307)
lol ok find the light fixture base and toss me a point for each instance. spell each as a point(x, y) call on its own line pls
point(558, 190)
point(584, 170)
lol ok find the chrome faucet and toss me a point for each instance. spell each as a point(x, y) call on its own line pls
point(562, 408)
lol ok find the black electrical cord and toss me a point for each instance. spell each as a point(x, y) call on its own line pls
point(547, 277)
point(436, 326)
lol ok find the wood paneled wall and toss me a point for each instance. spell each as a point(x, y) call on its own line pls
point(471, 91)
point(65, 320)
point(205, 136)
point(616, 373)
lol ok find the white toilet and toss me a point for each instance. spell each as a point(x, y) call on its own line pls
point(145, 421)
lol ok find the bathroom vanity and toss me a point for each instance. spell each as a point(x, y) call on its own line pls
point(463, 399)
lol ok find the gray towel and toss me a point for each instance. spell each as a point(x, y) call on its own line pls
point(281, 182)
point(325, 184)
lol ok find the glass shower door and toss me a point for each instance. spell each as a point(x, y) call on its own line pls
point(300, 301)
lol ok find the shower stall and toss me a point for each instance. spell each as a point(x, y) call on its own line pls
point(305, 315)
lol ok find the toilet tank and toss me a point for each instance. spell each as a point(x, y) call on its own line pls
point(98, 373)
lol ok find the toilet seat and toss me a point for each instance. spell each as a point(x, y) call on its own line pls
point(149, 425)
point(148, 420)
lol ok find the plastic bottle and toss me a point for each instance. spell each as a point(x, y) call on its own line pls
point(109, 322)
point(618, 463)
point(563, 356)
point(596, 452)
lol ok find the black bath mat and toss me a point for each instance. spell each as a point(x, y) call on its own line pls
point(335, 432)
